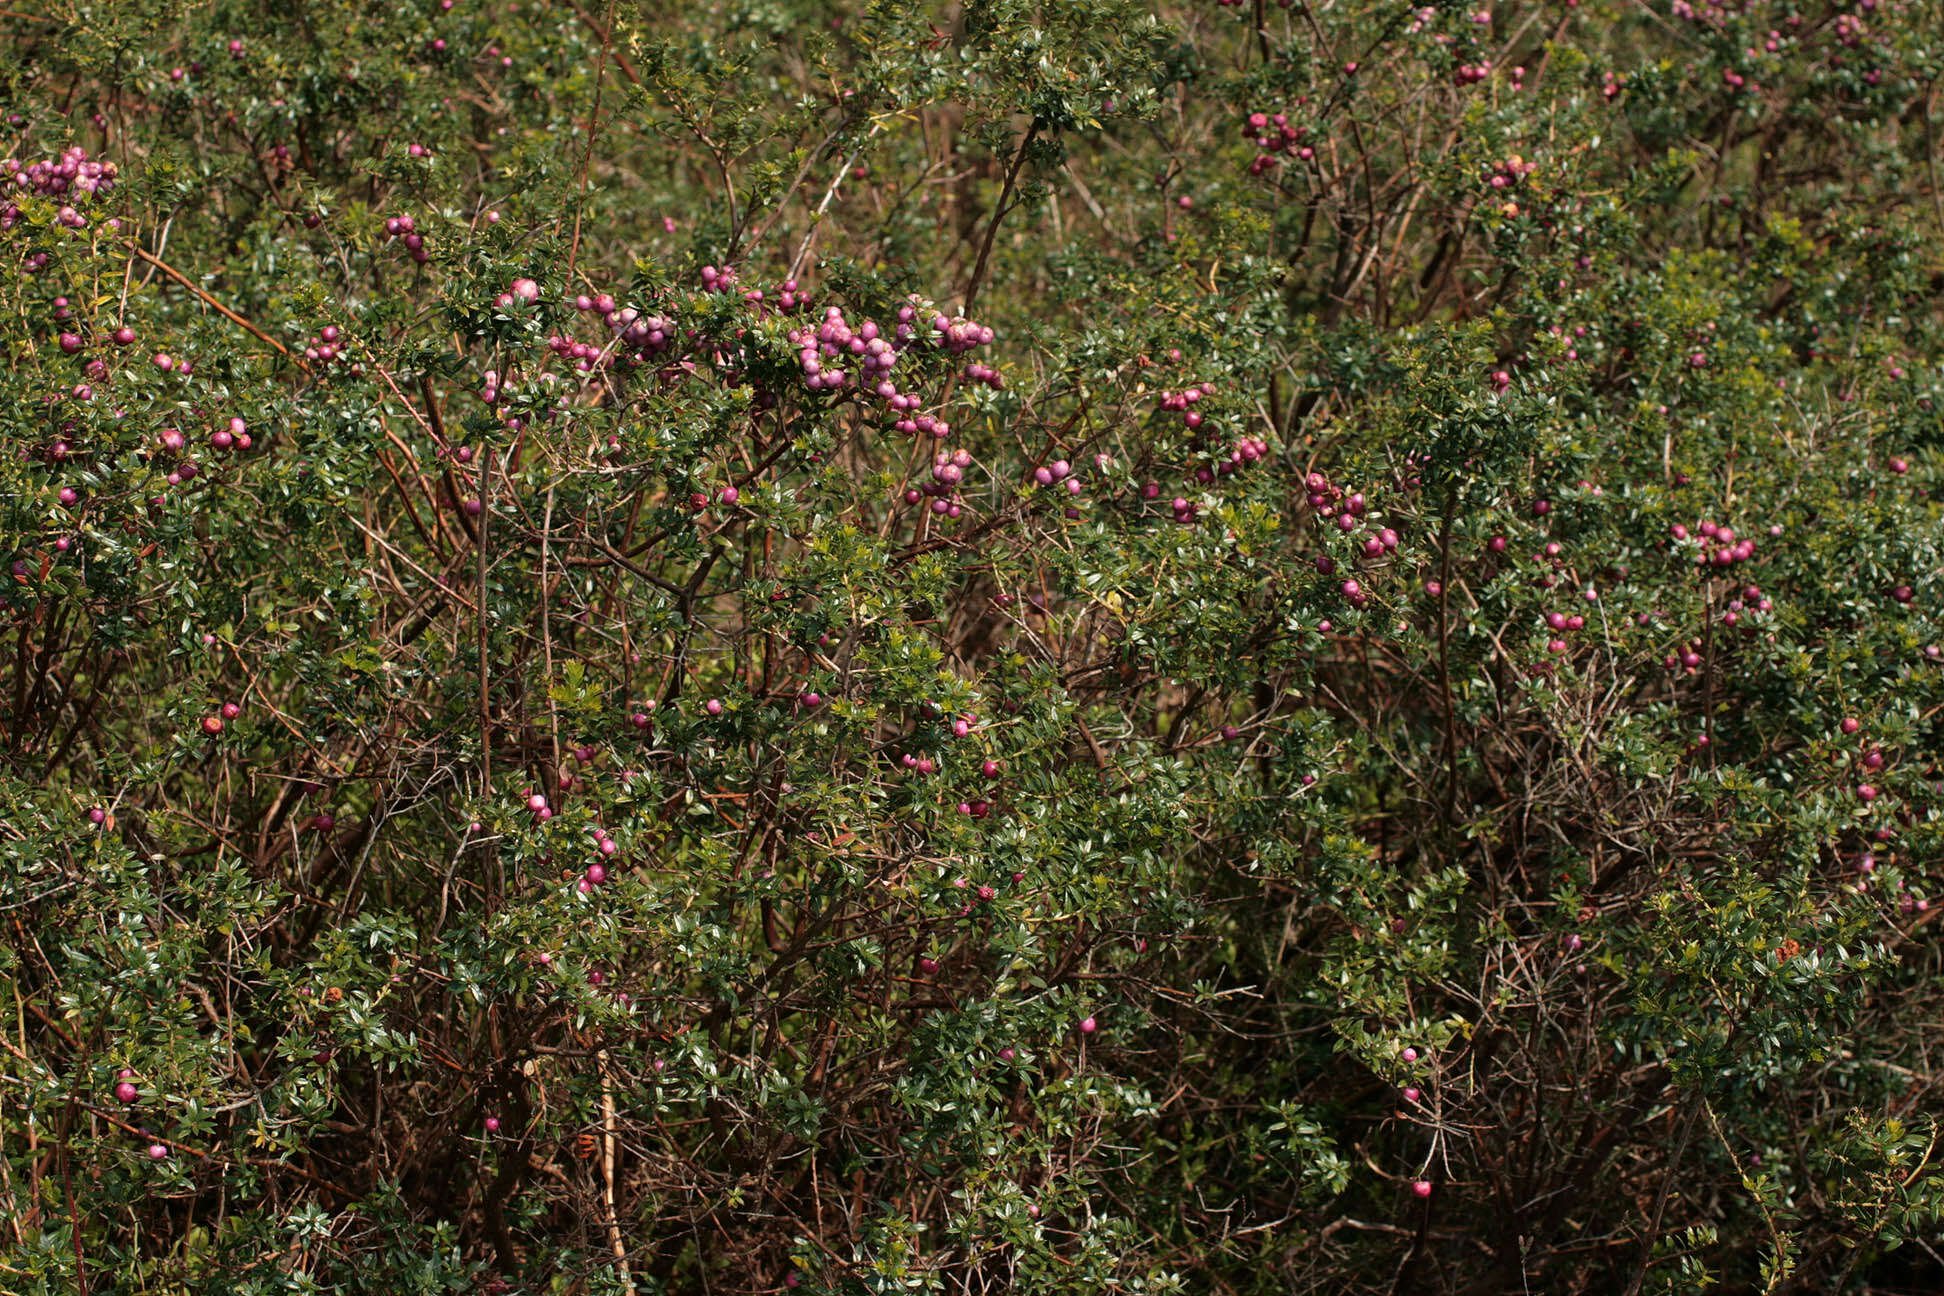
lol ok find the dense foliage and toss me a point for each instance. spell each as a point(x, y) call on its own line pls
point(898, 647)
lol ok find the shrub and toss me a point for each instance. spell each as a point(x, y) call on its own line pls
point(1009, 647)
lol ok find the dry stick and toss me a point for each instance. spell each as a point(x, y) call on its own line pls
point(605, 33)
point(125, 1127)
point(13, 1212)
point(1781, 1249)
point(587, 153)
point(67, 1184)
point(1708, 664)
point(435, 424)
point(406, 500)
point(1444, 657)
point(425, 487)
point(1930, 153)
point(485, 714)
point(1539, 73)
point(621, 560)
point(546, 638)
point(1666, 1189)
point(607, 1172)
point(998, 212)
point(438, 586)
point(803, 248)
point(217, 306)
point(1410, 210)
point(121, 305)
point(769, 222)
point(22, 655)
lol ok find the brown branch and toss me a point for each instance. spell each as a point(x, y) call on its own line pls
point(998, 213)
point(215, 305)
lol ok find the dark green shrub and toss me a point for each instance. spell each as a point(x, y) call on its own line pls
point(1360, 711)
